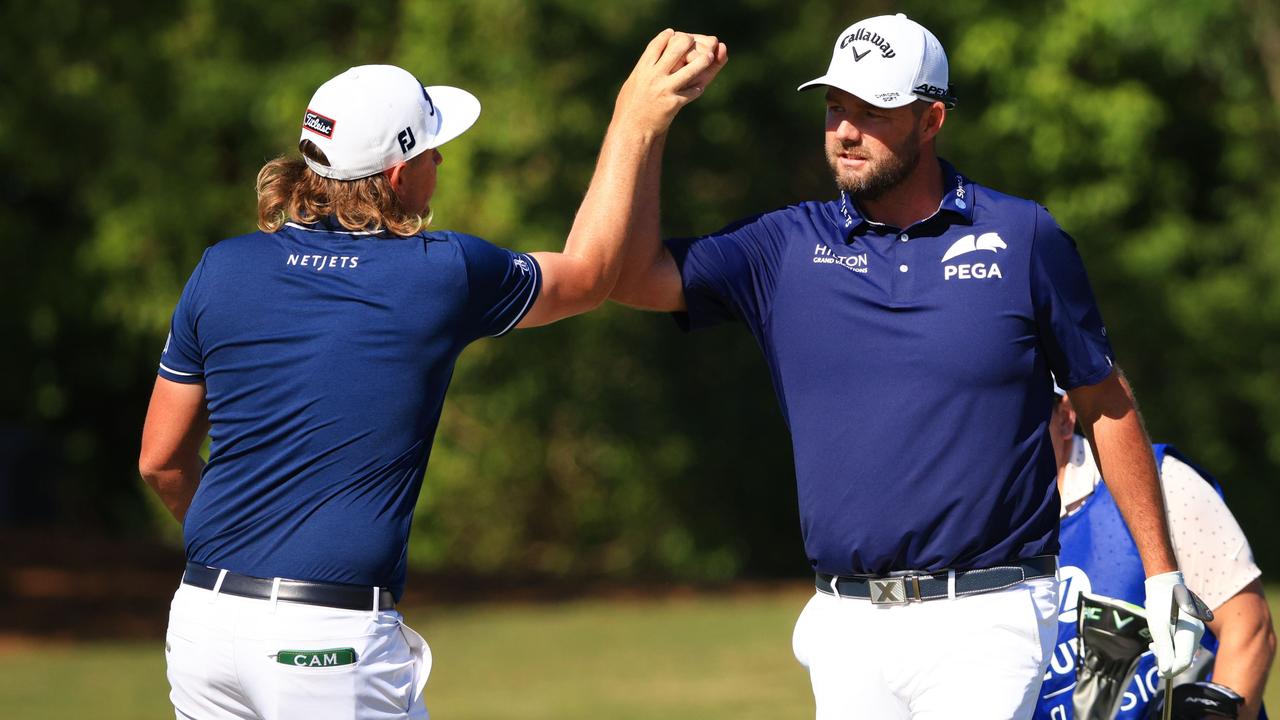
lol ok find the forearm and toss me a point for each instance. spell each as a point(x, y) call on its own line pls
point(176, 485)
point(614, 203)
point(1246, 646)
point(644, 241)
point(1110, 419)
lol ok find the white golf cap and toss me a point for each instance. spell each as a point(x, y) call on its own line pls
point(373, 117)
point(888, 61)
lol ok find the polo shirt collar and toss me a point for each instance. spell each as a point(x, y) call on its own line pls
point(957, 201)
point(330, 224)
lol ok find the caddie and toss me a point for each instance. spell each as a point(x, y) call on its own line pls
point(910, 326)
point(316, 354)
point(1099, 559)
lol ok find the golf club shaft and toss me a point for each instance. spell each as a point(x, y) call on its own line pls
point(1168, 682)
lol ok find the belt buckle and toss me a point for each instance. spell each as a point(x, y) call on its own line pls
point(888, 591)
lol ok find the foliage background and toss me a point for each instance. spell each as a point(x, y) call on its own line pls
point(611, 445)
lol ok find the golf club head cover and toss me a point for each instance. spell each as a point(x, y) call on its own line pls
point(1113, 635)
point(1199, 701)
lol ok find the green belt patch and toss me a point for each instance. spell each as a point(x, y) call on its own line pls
point(334, 657)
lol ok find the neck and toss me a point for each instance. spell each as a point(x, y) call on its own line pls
point(914, 199)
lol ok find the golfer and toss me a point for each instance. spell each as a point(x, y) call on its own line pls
point(910, 326)
point(316, 353)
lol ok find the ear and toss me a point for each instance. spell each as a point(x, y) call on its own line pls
point(931, 121)
point(395, 176)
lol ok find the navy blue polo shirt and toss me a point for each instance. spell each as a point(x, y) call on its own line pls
point(912, 366)
point(325, 356)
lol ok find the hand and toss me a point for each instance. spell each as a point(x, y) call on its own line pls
point(671, 73)
point(1173, 644)
point(711, 46)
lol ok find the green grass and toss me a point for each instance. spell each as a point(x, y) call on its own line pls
point(703, 657)
point(687, 658)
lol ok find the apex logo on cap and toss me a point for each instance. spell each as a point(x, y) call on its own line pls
point(930, 90)
point(318, 124)
point(886, 50)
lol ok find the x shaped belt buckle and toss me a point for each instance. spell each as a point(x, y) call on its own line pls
point(888, 591)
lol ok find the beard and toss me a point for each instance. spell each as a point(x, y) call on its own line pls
point(882, 174)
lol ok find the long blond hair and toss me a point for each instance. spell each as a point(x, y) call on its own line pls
point(288, 190)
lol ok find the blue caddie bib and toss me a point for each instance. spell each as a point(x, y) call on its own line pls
point(1099, 556)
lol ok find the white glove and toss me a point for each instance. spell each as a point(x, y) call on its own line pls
point(1173, 645)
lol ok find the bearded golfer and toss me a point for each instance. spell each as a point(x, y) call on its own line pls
point(910, 326)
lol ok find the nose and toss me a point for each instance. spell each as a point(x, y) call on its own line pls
point(437, 156)
point(847, 132)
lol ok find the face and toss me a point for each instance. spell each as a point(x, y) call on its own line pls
point(870, 149)
point(415, 182)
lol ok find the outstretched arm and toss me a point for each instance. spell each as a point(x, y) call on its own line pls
point(672, 72)
point(649, 277)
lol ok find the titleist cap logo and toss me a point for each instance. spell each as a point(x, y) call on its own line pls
point(318, 124)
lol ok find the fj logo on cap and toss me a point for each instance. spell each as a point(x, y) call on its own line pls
point(862, 34)
point(318, 124)
point(407, 140)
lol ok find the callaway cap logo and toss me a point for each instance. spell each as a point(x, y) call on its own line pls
point(886, 50)
point(318, 124)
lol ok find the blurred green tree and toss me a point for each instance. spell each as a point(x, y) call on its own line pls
point(610, 444)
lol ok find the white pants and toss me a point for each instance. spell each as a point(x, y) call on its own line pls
point(980, 657)
point(223, 653)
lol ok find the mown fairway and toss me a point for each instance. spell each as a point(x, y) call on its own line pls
point(705, 657)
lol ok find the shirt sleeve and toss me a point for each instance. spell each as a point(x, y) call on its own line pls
point(502, 285)
point(730, 274)
point(1072, 333)
point(182, 360)
point(1211, 549)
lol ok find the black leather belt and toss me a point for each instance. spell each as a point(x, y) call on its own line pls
point(915, 587)
point(334, 595)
